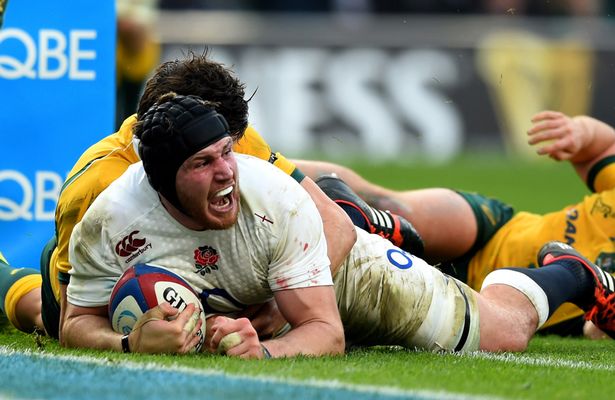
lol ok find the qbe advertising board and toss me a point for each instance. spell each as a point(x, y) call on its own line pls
point(57, 85)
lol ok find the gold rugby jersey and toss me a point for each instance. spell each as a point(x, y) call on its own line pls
point(588, 226)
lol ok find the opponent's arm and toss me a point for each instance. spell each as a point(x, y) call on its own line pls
point(582, 140)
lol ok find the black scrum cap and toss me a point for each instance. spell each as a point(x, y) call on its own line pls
point(171, 132)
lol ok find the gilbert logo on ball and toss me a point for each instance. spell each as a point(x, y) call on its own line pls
point(144, 286)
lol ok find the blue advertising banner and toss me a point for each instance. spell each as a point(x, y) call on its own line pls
point(57, 86)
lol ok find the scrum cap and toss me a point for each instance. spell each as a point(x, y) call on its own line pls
point(173, 130)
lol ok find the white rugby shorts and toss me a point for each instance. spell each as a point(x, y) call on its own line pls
point(388, 297)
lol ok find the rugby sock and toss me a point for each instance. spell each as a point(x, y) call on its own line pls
point(9, 276)
point(548, 287)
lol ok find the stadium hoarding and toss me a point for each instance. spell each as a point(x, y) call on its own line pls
point(403, 87)
point(57, 63)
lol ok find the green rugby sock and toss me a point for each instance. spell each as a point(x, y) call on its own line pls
point(8, 277)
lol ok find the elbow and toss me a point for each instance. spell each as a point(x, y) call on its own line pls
point(352, 233)
point(338, 345)
point(346, 227)
point(64, 334)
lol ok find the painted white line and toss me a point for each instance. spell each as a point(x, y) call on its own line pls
point(540, 361)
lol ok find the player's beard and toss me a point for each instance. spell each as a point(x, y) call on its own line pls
point(199, 209)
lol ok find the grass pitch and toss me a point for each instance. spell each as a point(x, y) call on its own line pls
point(552, 368)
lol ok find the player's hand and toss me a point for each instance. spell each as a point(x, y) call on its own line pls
point(164, 329)
point(244, 342)
point(558, 136)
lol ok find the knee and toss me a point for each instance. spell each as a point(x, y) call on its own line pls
point(507, 319)
point(510, 342)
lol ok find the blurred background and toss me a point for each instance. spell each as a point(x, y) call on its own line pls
point(411, 94)
point(378, 80)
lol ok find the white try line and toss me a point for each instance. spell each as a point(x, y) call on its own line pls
point(522, 359)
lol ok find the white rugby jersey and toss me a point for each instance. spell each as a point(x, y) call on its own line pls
point(277, 243)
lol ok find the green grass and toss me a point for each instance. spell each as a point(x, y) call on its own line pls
point(552, 367)
point(532, 375)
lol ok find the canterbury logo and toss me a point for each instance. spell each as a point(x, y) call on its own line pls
point(129, 244)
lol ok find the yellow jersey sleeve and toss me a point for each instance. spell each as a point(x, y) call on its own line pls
point(77, 197)
point(100, 165)
point(253, 144)
point(601, 176)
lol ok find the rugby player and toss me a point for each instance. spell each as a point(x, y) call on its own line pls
point(191, 191)
point(23, 290)
point(481, 234)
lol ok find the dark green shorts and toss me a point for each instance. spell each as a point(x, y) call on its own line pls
point(50, 308)
point(491, 215)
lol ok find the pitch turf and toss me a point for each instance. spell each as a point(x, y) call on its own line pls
point(552, 368)
point(34, 367)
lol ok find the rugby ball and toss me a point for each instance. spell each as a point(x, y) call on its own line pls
point(144, 286)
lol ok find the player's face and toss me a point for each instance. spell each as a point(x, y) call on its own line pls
point(207, 186)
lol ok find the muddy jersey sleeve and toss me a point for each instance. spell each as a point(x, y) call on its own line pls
point(300, 259)
point(92, 276)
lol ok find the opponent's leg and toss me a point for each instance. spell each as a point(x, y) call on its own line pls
point(390, 226)
point(20, 296)
point(442, 217)
point(50, 307)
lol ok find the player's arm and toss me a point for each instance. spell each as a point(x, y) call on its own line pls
point(81, 320)
point(582, 140)
point(266, 319)
point(300, 279)
point(89, 327)
point(339, 230)
point(313, 314)
point(340, 235)
point(86, 322)
point(316, 328)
